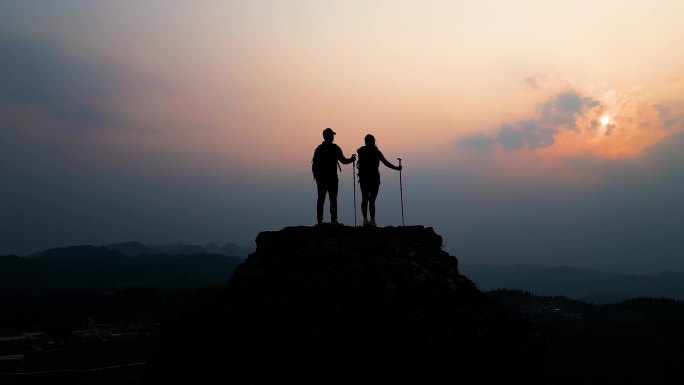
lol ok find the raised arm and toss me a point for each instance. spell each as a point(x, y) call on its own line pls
point(388, 164)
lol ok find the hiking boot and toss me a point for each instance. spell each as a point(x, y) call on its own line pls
point(365, 222)
point(372, 223)
point(336, 223)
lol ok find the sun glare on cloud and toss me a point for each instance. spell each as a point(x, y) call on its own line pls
point(620, 124)
point(576, 121)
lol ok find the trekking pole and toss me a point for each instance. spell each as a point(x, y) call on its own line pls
point(401, 194)
point(354, 186)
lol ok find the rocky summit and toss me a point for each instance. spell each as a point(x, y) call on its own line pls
point(348, 305)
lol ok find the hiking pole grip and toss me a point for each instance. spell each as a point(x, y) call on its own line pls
point(401, 193)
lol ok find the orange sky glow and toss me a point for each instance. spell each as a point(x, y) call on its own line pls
point(235, 79)
point(164, 119)
point(416, 74)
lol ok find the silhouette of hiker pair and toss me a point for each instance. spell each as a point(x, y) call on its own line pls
point(325, 165)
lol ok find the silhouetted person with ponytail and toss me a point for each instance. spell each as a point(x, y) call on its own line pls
point(369, 177)
point(324, 167)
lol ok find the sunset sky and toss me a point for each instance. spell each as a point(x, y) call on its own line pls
point(536, 132)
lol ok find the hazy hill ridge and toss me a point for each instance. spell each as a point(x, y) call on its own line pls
point(584, 284)
point(131, 249)
point(110, 268)
point(136, 248)
point(345, 305)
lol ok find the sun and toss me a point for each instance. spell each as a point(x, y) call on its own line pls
point(604, 120)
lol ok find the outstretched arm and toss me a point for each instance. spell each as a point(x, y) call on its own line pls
point(388, 164)
point(344, 160)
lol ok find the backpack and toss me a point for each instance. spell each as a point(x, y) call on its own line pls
point(369, 160)
point(321, 158)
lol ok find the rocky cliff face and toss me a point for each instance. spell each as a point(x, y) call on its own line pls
point(345, 305)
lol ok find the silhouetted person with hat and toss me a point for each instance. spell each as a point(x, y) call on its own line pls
point(369, 176)
point(324, 167)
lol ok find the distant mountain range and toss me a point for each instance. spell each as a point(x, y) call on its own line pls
point(135, 248)
point(584, 284)
point(183, 266)
point(117, 266)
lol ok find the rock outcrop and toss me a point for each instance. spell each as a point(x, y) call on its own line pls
point(343, 305)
